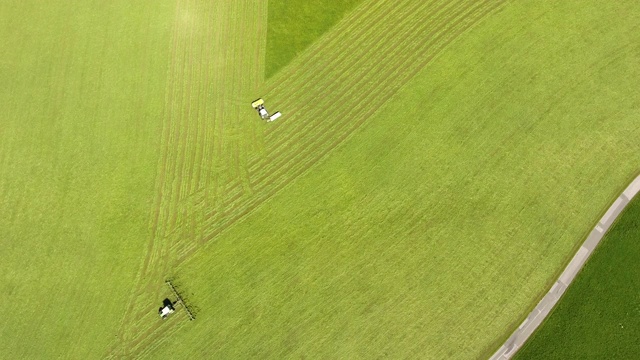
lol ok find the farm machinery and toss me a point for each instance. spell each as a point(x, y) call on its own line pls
point(168, 306)
point(258, 105)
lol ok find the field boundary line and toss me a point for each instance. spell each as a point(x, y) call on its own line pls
point(550, 300)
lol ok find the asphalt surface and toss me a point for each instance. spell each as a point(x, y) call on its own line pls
point(547, 303)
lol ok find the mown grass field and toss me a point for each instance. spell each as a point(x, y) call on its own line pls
point(80, 98)
point(435, 226)
point(425, 148)
point(599, 316)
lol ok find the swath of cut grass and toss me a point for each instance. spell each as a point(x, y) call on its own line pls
point(381, 216)
point(402, 242)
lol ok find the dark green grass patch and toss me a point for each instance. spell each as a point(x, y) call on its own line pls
point(599, 316)
point(295, 24)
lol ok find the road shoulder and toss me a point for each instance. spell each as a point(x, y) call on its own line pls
point(544, 307)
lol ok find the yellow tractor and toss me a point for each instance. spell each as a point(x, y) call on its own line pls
point(258, 105)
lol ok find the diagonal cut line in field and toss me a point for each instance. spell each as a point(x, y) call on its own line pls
point(326, 95)
point(330, 91)
point(217, 53)
point(288, 154)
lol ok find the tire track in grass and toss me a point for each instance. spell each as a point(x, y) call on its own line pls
point(160, 179)
point(350, 49)
point(360, 80)
point(315, 149)
point(227, 218)
point(227, 190)
point(272, 151)
point(183, 131)
point(388, 18)
point(341, 74)
point(189, 169)
point(184, 120)
point(236, 155)
point(200, 109)
point(352, 25)
point(166, 158)
point(239, 194)
point(341, 112)
point(283, 166)
point(169, 188)
point(211, 47)
point(173, 122)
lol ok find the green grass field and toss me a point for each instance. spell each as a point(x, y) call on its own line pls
point(599, 316)
point(425, 148)
point(294, 25)
point(78, 155)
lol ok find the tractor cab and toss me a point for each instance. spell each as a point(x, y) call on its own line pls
point(258, 105)
point(166, 309)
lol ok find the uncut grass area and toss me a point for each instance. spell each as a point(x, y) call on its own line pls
point(432, 231)
point(294, 25)
point(599, 315)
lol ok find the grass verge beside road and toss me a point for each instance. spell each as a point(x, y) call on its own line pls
point(416, 162)
point(599, 316)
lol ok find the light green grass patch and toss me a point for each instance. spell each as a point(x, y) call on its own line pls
point(599, 316)
point(432, 231)
point(294, 25)
point(82, 91)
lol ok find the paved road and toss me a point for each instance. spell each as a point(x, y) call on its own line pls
point(547, 303)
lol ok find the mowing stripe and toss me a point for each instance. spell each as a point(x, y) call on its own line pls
point(274, 153)
point(314, 150)
point(237, 208)
point(206, 42)
point(198, 197)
